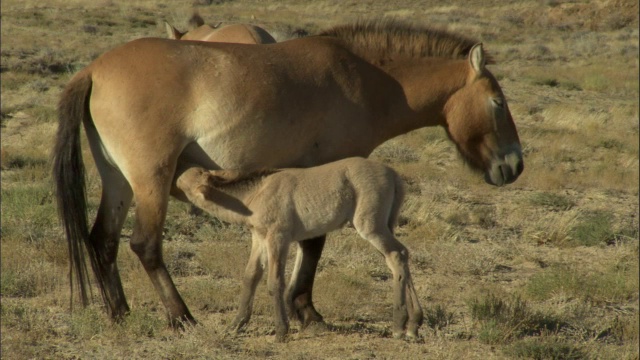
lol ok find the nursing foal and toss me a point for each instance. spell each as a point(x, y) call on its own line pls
point(291, 205)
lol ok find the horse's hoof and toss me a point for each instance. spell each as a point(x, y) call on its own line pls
point(315, 328)
point(413, 338)
point(182, 323)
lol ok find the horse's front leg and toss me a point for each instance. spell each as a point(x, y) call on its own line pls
point(277, 249)
point(300, 289)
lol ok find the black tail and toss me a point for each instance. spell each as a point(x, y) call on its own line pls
point(69, 177)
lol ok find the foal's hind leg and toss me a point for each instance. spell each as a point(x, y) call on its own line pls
point(252, 275)
point(407, 313)
point(277, 250)
point(152, 196)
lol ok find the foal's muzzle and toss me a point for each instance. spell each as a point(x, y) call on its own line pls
point(505, 169)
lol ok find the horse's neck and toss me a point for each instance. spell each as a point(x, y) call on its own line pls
point(426, 85)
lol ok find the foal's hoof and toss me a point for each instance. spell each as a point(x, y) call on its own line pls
point(236, 326)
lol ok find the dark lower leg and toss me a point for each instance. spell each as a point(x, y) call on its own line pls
point(299, 294)
point(146, 242)
point(103, 250)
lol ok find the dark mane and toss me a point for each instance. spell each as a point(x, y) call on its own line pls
point(389, 37)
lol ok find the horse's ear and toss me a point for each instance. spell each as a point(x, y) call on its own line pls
point(477, 58)
point(172, 33)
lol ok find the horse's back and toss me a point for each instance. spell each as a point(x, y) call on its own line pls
point(236, 105)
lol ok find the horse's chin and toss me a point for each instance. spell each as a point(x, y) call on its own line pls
point(504, 171)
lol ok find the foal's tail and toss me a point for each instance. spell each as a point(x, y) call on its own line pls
point(69, 177)
point(398, 198)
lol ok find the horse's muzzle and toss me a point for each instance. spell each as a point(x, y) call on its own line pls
point(506, 169)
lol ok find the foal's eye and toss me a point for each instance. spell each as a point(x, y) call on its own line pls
point(498, 102)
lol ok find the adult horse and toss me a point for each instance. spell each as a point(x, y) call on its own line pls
point(235, 33)
point(152, 104)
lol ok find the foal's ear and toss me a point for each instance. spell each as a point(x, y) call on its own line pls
point(172, 33)
point(477, 58)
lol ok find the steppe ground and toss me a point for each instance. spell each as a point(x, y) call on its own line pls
point(544, 268)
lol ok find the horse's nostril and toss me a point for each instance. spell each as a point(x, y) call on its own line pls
point(519, 167)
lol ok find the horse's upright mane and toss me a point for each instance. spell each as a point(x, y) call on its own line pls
point(391, 37)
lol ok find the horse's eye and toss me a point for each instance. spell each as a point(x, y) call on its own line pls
point(498, 102)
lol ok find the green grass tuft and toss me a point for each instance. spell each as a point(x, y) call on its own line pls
point(595, 228)
point(438, 317)
point(504, 320)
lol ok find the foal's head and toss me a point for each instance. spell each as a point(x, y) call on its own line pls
point(479, 122)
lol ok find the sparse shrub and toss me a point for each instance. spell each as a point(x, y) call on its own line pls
point(437, 317)
point(143, 323)
point(18, 316)
point(15, 283)
point(184, 263)
point(613, 285)
point(547, 82)
point(553, 201)
point(596, 82)
point(611, 144)
point(20, 161)
point(85, 323)
point(502, 321)
point(28, 212)
point(545, 348)
point(625, 328)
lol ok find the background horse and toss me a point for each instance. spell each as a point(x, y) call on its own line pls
point(275, 206)
point(235, 33)
point(154, 104)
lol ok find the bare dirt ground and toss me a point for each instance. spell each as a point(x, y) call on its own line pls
point(544, 268)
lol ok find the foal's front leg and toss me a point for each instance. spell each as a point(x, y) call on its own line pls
point(277, 250)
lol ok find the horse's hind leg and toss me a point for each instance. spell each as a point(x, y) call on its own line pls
point(105, 234)
point(252, 275)
point(152, 196)
point(105, 238)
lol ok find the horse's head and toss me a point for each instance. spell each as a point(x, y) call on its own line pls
point(479, 122)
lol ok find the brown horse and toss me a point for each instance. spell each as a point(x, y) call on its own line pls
point(275, 206)
point(152, 104)
point(235, 33)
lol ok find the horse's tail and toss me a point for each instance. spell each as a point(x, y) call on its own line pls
point(69, 177)
point(398, 199)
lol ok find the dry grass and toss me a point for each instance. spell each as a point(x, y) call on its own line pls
point(545, 268)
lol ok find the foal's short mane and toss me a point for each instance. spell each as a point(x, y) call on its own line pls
point(389, 37)
point(232, 178)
